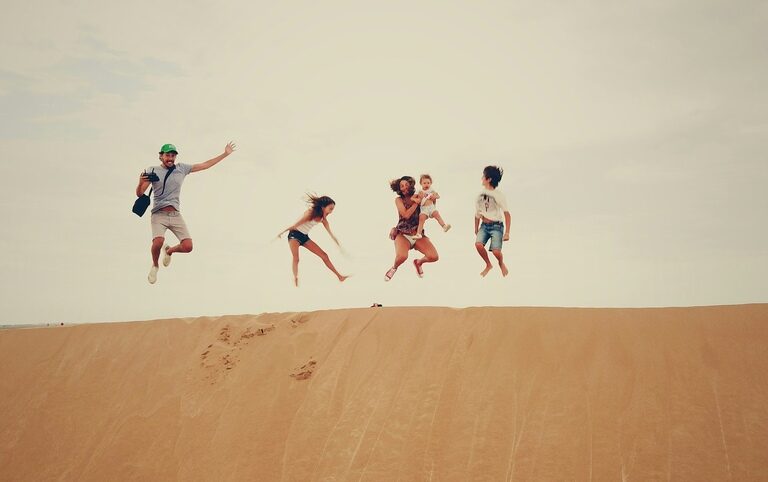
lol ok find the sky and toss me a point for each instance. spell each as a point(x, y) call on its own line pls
point(632, 137)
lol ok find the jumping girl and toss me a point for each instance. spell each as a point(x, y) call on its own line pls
point(320, 208)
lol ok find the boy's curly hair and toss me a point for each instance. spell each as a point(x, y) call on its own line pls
point(493, 174)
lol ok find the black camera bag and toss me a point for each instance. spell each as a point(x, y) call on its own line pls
point(142, 202)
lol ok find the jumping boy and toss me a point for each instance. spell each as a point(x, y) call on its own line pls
point(492, 219)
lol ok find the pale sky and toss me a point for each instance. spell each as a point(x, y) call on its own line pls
point(632, 135)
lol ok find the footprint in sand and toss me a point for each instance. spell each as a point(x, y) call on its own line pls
point(300, 319)
point(224, 334)
point(250, 332)
point(304, 371)
point(204, 354)
point(229, 361)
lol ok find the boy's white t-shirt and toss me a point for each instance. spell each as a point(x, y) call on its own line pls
point(491, 204)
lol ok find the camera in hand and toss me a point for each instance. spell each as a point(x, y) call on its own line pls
point(151, 176)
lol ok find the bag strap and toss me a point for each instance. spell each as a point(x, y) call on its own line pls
point(166, 177)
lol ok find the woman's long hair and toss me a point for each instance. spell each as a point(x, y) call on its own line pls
point(394, 184)
point(317, 203)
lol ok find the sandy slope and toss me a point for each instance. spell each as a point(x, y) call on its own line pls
point(392, 394)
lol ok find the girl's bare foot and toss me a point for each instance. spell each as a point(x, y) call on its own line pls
point(504, 270)
point(486, 270)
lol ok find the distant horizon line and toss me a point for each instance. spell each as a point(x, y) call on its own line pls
point(627, 308)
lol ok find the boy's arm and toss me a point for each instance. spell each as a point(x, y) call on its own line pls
point(477, 224)
point(507, 222)
point(212, 162)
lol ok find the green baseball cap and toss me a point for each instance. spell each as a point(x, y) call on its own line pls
point(168, 148)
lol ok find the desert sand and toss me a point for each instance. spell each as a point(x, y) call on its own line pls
point(392, 394)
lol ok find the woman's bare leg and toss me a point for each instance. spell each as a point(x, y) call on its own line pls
point(402, 246)
point(425, 247)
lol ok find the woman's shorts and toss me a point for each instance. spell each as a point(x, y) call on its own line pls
point(298, 236)
point(410, 239)
point(493, 231)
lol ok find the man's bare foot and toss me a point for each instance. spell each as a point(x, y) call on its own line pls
point(486, 270)
point(343, 277)
point(504, 270)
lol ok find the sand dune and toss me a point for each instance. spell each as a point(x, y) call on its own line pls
point(392, 394)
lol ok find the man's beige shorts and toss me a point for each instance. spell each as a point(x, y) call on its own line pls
point(163, 220)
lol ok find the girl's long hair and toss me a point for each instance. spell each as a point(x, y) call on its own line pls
point(317, 203)
point(394, 184)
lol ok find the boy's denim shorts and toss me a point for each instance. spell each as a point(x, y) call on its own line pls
point(493, 231)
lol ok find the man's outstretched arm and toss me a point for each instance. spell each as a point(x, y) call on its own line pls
point(212, 162)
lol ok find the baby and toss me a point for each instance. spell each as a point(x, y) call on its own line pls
point(427, 198)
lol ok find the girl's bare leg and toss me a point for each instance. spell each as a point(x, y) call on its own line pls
point(313, 247)
point(294, 245)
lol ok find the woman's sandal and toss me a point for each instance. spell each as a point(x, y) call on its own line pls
point(419, 271)
point(388, 276)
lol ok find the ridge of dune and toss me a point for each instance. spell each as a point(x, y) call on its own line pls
point(411, 393)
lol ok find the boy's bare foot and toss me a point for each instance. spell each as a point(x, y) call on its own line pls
point(486, 270)
point(504, 270)
point(343, 277)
